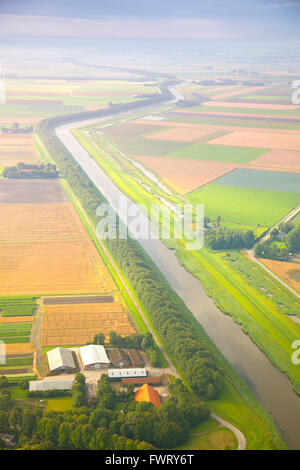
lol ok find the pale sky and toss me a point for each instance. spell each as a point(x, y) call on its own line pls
point(156, 18)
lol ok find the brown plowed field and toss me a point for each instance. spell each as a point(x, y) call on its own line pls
point(232, 104)
point(186, 175)
point(77, 324)
point(18, 191)
point(289, 272)
point(183, 133)
point(259, 140)
point(279, 158)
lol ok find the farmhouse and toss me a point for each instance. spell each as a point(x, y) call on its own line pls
point(93, 356)
point(117, 374)
point(61, 360)
point(147, 393)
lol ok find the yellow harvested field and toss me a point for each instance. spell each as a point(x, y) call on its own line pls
point(45, 249)
point(24, 319)
point(52, 267)
point(185, 176)
point(58, 221)
point(78, 323)
point(183, 133)
point(289, 272)
point(232, 104)
point(259, 140)
point(19, 348)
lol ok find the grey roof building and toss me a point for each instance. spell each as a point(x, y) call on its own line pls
point(60, 360)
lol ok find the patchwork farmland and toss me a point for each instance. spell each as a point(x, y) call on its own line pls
point(17, 147)
point(44, 247)
point(29, 100)
point(16, 320)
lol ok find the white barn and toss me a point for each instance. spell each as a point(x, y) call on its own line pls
point(61, 360)
point(94, 356)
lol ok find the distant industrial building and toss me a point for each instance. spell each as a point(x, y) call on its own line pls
point(43, 385)
point(93, 356)
point(61, 360)
point(149, 394)
point(116, 374)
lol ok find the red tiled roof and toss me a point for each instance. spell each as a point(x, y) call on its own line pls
point(147, 393)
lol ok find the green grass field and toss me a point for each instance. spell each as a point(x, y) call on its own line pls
point(223, 153)
point(59, 404)
point(17, 306)
point(264, 98)
point(220, 439)
point(260, 179)
point(148, 147)
point(243, 205)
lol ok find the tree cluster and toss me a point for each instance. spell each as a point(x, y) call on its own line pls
point(25, 170)
point(224, 239)
point(113, 422)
